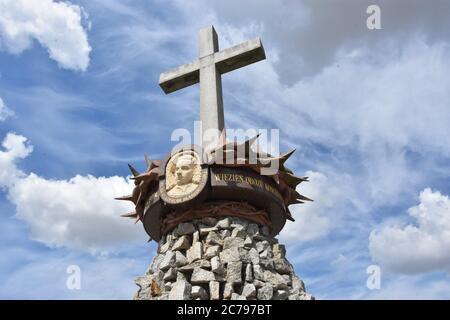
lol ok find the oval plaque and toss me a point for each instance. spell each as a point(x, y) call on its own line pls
point(183, 177)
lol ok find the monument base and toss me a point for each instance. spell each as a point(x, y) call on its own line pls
point(220, 258)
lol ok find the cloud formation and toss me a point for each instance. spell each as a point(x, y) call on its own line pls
point(45, 276)
point(380, 120)
point(309, 34)
point(4, 111)
point(420, 247)
point(15, 148)
point(311, 219)
point(78, 213)
point(57, 26)
point(366, 109)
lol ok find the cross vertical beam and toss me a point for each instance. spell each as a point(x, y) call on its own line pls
point(211, 100)
point(207, 69)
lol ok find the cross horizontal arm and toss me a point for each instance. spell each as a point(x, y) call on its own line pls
point(239, 56)
point(180, 77)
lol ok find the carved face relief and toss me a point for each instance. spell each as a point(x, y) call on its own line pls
point(183, 173)
point(184, 169)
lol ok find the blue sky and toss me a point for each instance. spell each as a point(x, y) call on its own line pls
point(367, 110)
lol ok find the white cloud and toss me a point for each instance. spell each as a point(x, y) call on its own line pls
point(311, 218)
point(78, 213)
point(16, 147)
point(301, 29)
point(410, 288)
point(372, 99)
point(57, 26)
point(45, 276)
point(420, 247)
point(370, 111)
point(4, 111)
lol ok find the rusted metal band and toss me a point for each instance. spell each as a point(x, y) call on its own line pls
point(216, 209)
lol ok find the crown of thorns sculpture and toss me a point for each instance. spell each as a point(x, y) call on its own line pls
point(226, 154)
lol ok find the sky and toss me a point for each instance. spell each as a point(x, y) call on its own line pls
point(367, 111)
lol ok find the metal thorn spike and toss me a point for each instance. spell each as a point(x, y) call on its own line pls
point(133, 170)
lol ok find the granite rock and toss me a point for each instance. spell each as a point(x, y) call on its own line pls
point(220, 258)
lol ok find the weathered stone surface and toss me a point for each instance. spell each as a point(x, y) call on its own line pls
point(287, 278)
point(280, 295)
point(252, 229)
point(200, 276)
point(225, 233)
point(228, 290)
point(251, 265)
point(163, 296)
point(276, 280)
point(156, 288)
point(279, 251)
point(258, 284)
point(181, 290)
point(220, 277)
point(306, 296)
point(231, 242)
point(170, 275)
point(265, 293)
point(195, 237)
point(214, 239)
point(249, 290)
point(223, 223)
point(266, 263)
point(199, 292)
point(214, 290)
point(248, 273)
point(168, 261)
point(206, 231)
point(244, 255)
point(238, 233)
point(238, 222)
point(184, 228)
point(234, 272)
point(297, 283)
point(230, 255)
point(262, 245)
point(189, 267)
point(212, 251)
point(248, 243)
point(266, 254)
point(282, 266)
point(166, 246)
point(158, 277)
point(209, 221)
point(235, 296)
point(142, 282)
point(195, 252)
point(168, 286)
point(182, 243)
point(205, 264)
point(180, 259)
point(254, 256)
point(181, 276)
point(155, 263)
point(258, 272)
point(216, 265)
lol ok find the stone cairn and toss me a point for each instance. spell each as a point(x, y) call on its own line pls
point(227, 258)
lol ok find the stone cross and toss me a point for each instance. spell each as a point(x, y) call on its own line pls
point(207, 70)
